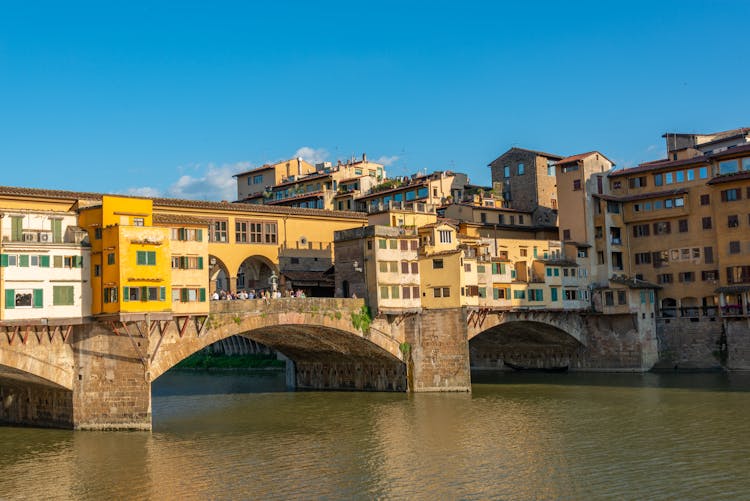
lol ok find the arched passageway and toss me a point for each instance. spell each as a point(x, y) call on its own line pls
point(255, 273)
point(523, 344)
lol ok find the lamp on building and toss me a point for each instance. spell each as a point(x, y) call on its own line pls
point(356, 266)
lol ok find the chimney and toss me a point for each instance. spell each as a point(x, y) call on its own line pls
point(364, 157)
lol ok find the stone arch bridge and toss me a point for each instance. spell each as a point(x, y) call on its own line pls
point(98, 375)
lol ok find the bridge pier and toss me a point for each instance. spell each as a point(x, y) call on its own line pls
point(438, 349)
point(111, 384)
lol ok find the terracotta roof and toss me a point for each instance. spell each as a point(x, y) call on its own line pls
point(557, 262)
point(503, 209)
point(580, 156)
point(643, 196)
point(728, 178)
point(301, 196)
point(302, 179)
point(535, 152)
point(660, 164)
point(178, 203)
point(634, 283)
point(257, 169)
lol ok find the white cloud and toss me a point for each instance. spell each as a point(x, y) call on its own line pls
point(198, 182)
point(144, 191)
point(209, 183)
point(385, 160)
point(312, 155)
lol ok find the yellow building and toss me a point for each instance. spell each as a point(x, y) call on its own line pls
point(256, 181)
point(130, 258)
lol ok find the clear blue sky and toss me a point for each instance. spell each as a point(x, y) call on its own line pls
point(172, 98)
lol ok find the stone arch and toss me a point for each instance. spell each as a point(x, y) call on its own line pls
point(218, 274)
point(26, 367)
point(316, 336)
point(532, 339)
point(255, 271)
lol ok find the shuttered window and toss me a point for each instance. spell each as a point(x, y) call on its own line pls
point(62, 295)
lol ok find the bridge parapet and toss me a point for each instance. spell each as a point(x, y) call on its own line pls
point(284, 305)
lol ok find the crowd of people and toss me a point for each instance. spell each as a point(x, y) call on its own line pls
point(222, 295)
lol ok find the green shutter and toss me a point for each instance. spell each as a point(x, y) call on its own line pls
point(507, 293)
point(10, 298)
point(16, 229)
point(495, 293)
point(126, 293)
point(181, 234)
point(3, 260)
point(162, 293)
point(183, 262)
point(553, 291)
point(140, 257)
point(502, 268)
point(23, 260)
point(184, 295)
point(44, 261)
point(57, 261)
point(57, 231)
point(151, 258)
point(549, 271)
point(199, 235)
point(202, 295)
point(77, 261)
point(38, 298)
point(144, 293)
point(200, 262)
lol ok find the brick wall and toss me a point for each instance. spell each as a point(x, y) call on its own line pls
point(111, 388)
point(439, 350)
point(26, 403)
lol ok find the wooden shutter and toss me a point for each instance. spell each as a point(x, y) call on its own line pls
point(202, 295)
point(162, 293)
point(38, 298)
point(44, 261)
point(126, 293)
point(10, 299)
point(3, 260)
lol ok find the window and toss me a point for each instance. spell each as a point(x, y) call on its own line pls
point(437, 264)
point(613, 207)
point(733, 221)
point(415, 267)
point(734, 247)
point(218, 231)
point(467, 267)
point(146, 258)
point(738, 274)
point(643, 258)
point(240, 232)
point(506, 171)
point(637, 182)
point(550, 168)
point(269, 233)
point(483, 217)
point(706, 221)
point(662, 228)
point(110, 294)
point(414, 244)
point(415, 291)
point(392, 266)
point(709, 275)
point(705, 199)
point(690, 174)
point(404, 245)
point(523, 252)
point(708, 255)
point(576, 185)
point(521, 170)
point(600, 257)
point(687, 276)
point(445, 236)
point(728, 167)
point(664, 278)
point(658, 180)
point(682, 225)
point(679, 176)
point(384, 292)
point(566, 234)
point(668, 178)
point(393, 244)
point(395, 291)
point(519, 294)
point(258, 179)
point(97, 270)
point(97, 233)
point(404, 267)
point(382, 244)
point(609, 298)
point(731, 195)
point(406, 292)
point(703, 172)
point(621, 297)
point(641, 230)
point(62, 295)
point(110, 259)
point(138, 221)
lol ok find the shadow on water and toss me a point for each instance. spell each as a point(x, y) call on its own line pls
point(197, 382)
point(699, 381)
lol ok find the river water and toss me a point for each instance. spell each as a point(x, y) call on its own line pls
point(239, 435)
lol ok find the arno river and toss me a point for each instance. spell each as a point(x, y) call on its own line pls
point(517, 436)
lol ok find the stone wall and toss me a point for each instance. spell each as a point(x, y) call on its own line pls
point(112, 389)
point(684, 344)
point(351, 375)
point(616, 342)
point(439, 351)
point(737, 343)
point(32, 404)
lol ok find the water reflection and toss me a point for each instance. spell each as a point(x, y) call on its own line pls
point(517, 436)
